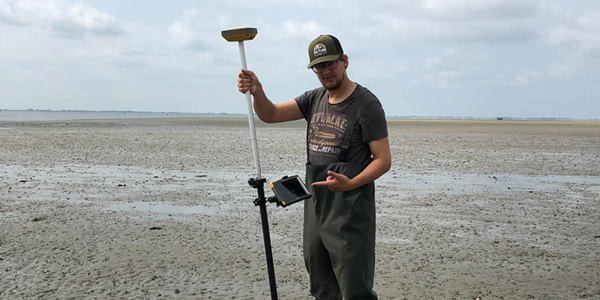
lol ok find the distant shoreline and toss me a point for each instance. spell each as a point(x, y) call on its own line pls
point(72, 115)
point(112, 111)
point(39, 115)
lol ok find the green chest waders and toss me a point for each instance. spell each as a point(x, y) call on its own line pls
point(339, 228)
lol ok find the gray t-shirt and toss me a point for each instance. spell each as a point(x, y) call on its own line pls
point(328, 124)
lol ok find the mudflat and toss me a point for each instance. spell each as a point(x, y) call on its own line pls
point(161, 209)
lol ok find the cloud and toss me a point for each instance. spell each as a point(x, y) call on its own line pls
point(459, 21)
point(8, 13)
point(449, 51)
point(589, 22)
point(306, 30)
point(184, 36)
point(437, 60)
point(459, 31)
point(481, 9)
point(522, 80)
point(580, 33)
point(532, 74)
point(447, 74)
point(433, 61)
point(191, 30)
point(85, 19)
point(526, 77)
point(560, 71)
point(372, 73)
point(199, 31)
point(446, 78)
point(67, 20)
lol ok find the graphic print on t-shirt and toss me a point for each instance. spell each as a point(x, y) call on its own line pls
point(325, 133)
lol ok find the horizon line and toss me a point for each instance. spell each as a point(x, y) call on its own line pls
point(245, 114)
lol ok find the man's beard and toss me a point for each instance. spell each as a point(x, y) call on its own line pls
point(336, 85)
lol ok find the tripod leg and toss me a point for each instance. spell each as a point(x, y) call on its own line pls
point(268, 252)
point(261, 201)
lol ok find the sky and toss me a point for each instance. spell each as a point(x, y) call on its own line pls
point(461, 58)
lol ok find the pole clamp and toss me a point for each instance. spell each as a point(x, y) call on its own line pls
point(257, 183)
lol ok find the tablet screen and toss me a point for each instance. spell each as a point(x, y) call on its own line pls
point(290, 190)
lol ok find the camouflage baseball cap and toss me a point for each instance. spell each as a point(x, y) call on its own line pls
point(324, 48)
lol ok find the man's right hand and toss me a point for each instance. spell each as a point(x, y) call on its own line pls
point(247, 81)
point(264, 108)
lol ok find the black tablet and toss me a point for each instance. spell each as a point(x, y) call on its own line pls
point(289, 190)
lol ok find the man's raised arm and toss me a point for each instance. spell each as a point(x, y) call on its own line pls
point(264, 108)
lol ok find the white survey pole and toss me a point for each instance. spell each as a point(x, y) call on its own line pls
point(250, 115)
point(241, 34)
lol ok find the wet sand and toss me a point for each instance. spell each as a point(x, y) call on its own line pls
point(161, 209)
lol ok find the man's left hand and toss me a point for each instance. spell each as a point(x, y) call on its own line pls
point(336, 182)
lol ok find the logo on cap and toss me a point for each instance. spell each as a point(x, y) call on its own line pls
point(319, 50)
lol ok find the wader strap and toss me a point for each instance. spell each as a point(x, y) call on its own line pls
point(311, 111)
point(352, 117)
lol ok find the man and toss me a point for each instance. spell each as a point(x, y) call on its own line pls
point(348, 149)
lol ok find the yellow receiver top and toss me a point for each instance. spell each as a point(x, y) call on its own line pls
point(239, 34)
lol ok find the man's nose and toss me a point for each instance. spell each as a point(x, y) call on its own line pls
point(326, 71)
